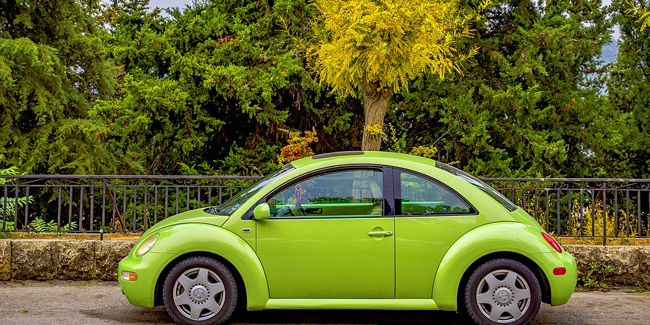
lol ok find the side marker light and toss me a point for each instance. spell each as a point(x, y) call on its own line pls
point(129, 276)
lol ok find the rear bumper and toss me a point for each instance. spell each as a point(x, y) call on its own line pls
point(562, 286)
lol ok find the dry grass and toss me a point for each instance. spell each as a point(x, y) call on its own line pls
point(79, 236)
point(599, 241)
point(135, 236)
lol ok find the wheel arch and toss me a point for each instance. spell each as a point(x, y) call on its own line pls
point(495, 240)
point(217, 243)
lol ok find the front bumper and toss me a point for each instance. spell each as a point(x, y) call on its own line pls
point(148, 268)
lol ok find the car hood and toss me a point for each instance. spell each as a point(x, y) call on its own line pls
point(192, 216)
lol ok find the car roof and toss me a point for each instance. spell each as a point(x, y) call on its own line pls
point(362, 157)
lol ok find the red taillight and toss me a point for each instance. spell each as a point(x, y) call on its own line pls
point(559, 271)
point(552, 242)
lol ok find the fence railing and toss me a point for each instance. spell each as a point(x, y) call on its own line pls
point(107, 203)
point(577, 207)
point(583, 207)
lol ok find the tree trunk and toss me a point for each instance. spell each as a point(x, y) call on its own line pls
point(375, 103)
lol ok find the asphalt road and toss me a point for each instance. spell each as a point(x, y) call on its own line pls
point(60, 302)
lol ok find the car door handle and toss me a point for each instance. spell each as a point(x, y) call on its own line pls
point(380, 233)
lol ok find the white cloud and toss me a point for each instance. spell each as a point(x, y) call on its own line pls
point(169, 3)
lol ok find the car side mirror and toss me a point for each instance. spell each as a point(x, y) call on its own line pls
point(262, 212)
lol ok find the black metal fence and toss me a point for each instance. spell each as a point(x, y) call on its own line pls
point(106, 203)
point(580, 207)
point(583, 207)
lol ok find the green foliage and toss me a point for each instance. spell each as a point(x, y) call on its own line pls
point(7, 226)
point(87, 87)
point(628, 93)
point(526, 104)
point(40, 226)
point(596, 277)
point(212, 83)
point(51, 72)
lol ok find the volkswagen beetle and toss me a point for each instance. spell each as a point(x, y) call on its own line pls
point(352, 230)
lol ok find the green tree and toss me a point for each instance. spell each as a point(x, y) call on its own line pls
point(377, 47)
point(628, 88)
point(528, 103)
point(212, 86)
point(52, 70)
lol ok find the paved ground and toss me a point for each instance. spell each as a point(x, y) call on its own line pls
point(60, 302)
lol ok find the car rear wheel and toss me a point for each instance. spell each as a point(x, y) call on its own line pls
point(502, 291)
point(200, 290)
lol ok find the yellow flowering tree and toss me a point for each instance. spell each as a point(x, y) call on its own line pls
point(373, 48)
point(639, 11)
point(644, 17)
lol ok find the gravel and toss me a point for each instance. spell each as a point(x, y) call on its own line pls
point(97, 302)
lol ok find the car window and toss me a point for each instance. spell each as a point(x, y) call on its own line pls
point(479, 184)
point(422, 196)
point(349, 193)
point(230, 206)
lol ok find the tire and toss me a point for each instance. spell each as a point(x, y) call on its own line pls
point(200, 291)
point(502, 291)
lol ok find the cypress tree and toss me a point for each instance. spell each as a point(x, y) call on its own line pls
point(51, 72)
point(628, 89)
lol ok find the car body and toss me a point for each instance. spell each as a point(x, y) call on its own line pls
point(353, 230)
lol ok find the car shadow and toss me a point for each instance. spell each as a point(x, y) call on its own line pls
point(348, 317)
point(158, 315)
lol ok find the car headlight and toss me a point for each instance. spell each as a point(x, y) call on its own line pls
point(146, 245)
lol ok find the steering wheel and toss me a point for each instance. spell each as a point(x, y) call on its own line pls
point(288, 211)
point(284, 211)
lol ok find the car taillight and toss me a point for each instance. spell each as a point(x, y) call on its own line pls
point(552, 242)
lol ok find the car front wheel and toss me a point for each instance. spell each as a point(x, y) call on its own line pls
point(200, 290)
point(502, 291)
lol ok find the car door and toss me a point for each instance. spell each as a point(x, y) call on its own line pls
point(328, 237)
point(429, 218)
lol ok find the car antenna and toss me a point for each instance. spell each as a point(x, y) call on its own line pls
point(451, 128)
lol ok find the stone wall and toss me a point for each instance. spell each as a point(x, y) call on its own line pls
point(93, 259)
point(630, 264)
point(35, 259)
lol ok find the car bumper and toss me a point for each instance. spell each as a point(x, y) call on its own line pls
point(562, 286)
point(148, 267)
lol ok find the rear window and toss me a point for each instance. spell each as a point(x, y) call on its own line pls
point(480, 184)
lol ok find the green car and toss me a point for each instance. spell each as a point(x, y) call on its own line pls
point(352, 230)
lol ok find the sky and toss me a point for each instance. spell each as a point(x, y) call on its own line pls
point(176, 3)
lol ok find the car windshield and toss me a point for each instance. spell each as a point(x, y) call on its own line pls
point(236, 201)
point(480, 184)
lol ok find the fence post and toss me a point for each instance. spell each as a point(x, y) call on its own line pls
point(604, 213)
